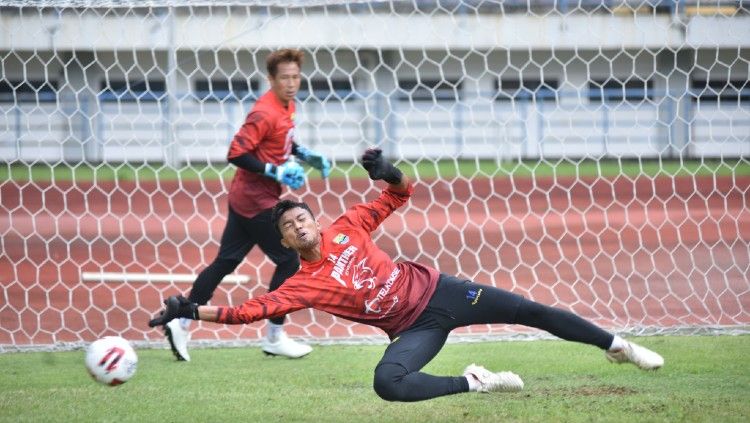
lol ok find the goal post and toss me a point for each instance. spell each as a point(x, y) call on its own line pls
point(591, 155)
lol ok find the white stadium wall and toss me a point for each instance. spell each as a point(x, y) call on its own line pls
point(474, 51)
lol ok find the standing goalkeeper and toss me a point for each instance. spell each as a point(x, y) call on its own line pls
point(261, 150)
point(345, 274)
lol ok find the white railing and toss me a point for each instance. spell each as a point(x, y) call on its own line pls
point(483, 128)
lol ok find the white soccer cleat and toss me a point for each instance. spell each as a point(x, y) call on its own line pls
point(285, 346)
point(494, 382)
point(642, 357)
point(178, 337)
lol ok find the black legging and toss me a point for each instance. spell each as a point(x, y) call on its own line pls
point(458, 303)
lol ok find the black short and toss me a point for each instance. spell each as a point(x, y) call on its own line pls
point(454, 304)
point(459, 302)
point(241, 234)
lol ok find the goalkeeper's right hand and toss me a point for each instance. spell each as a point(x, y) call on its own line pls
point(174, 307)
point(289, 173)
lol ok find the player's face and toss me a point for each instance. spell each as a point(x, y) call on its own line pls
point(286, 82)
point(299, 230)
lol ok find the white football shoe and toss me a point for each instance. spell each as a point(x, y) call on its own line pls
point(178, 337)
point(642, 357)
point(494, 382)
point(285, 346)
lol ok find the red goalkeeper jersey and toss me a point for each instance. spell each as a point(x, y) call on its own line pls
point(354, 280)
point(268, 133)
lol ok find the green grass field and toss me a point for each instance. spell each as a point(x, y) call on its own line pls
point(704, 379)
point(425, 169)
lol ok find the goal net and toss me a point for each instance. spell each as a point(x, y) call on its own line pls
point(591, 155)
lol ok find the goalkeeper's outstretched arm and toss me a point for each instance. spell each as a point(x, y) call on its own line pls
point(263, 307)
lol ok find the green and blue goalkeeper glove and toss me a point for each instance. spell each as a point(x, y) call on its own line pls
point(289, 173)
point(314, 159)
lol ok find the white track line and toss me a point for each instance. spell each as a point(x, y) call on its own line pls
point(113, 277)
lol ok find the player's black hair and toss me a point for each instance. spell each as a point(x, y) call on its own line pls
point(281, 207)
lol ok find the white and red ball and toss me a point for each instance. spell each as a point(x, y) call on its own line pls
point(111, 360)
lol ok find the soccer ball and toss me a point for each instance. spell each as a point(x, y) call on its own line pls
point(111, 360)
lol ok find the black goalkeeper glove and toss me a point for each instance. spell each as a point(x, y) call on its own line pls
point(378, 168)
point(174, 307)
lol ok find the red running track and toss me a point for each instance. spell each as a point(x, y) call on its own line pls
point(665, 252)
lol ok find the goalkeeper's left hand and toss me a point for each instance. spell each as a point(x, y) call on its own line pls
point(174, 307)
point(378, 167)
point(314, 159)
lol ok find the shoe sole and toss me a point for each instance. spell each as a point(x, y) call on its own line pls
point(168, 333)
point(270, 354)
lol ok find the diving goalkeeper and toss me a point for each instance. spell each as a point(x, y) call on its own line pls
point(345, 274)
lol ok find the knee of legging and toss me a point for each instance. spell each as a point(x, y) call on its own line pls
point(387, 381)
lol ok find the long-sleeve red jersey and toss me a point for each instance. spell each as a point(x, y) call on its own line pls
point(268, 134)
point(354, 280)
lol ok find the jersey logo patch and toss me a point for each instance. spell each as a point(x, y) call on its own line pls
point(341, 239)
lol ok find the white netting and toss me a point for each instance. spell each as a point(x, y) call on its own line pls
point(116, 118)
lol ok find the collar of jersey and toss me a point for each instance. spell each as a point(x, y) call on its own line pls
point(277, 103)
